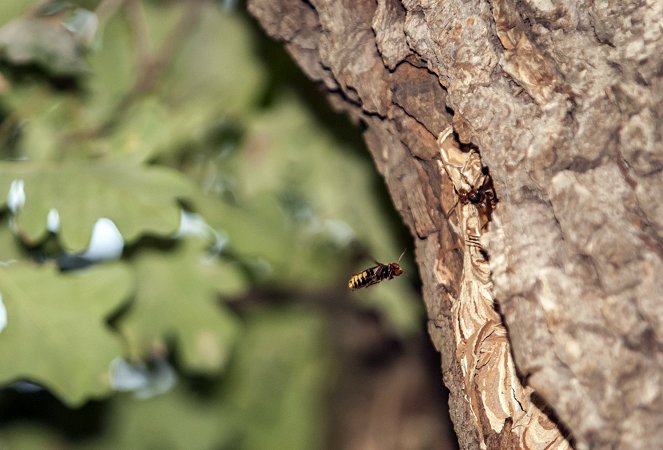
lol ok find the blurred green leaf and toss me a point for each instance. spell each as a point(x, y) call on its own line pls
point(211, 78)
point(278, 384)
point(44, 117)
point(56, 333)
point(139, 200)
point(152, 130)
point(217, 73)
point(30, 437)
point(176, 298)
point(274, 396)
point(335, 182)
point(10, 10)
point(396, 301)
point(175, 421)
point(256, 230)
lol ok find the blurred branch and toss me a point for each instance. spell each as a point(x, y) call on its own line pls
point(107, 9)
point(150, 65)
point(135, 14)
point(153, 65)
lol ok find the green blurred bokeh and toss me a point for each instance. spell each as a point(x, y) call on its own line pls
point(222, 326)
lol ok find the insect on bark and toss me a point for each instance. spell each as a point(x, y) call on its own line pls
point(483, 197)
point(376, 274)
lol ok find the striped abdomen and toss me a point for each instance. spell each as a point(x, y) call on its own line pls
point(363, 279)
point(374, 275)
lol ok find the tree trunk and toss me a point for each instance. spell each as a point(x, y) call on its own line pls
point(561, 101)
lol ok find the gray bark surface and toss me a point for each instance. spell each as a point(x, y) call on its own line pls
point(563, 100)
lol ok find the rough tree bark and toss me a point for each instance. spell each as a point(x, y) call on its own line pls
point(563, 102)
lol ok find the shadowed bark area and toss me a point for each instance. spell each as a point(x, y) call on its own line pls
point(563, 101)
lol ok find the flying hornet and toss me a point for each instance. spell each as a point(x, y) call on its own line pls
point(376, 274)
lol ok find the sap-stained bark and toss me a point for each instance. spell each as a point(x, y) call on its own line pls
point(564, 102)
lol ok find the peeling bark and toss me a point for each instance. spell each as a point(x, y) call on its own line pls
point(563, 101)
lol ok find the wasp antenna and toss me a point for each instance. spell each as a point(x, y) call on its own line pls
point(467, 161)
point(454, 205)
point(399, 258)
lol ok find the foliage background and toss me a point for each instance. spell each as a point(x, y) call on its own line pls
point(244, 206)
